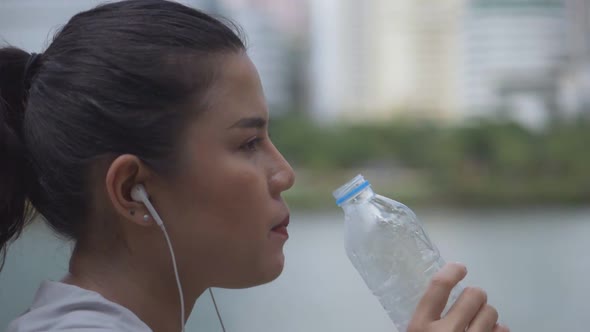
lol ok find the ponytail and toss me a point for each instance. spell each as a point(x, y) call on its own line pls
point(15, 175)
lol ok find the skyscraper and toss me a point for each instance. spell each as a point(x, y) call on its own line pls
point(514, 51)
point(575, 78)
point(376, 59)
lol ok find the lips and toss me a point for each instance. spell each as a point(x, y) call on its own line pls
point(283, 223)
point(282, 227)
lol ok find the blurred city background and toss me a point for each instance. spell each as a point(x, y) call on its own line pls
point(476, 113)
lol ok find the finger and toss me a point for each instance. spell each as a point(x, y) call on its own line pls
point(501, 328)
point(435, 298)
point(466, 308)
point(485, 320)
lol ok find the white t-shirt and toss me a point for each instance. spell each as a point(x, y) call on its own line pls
point(62, 307)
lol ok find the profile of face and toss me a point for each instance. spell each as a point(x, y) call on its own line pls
point(223, 205)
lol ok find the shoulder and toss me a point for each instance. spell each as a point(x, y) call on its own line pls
point(61, 307)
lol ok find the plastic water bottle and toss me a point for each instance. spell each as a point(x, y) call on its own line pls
point(388, 246)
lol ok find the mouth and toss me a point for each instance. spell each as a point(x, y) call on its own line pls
point(281, 229)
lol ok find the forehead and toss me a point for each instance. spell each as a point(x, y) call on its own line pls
point(236, 92)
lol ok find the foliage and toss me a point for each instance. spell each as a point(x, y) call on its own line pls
point(483, 162)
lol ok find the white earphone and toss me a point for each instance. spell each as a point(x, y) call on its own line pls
point(140, 195)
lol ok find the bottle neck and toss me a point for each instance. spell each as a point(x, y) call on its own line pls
point(363, 196)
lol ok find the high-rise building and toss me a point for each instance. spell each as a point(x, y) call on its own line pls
point(269, 49)
point(275, 32)
point(578, 14)
point(376, 59)
point(575, 78)
point(209, 6)
point(289, 16)
point(514, 51)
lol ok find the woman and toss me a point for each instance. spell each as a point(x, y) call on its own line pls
point(143, 114)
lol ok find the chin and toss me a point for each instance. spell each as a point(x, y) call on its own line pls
point(267, 272)
point(271, 270)
point(275, 270)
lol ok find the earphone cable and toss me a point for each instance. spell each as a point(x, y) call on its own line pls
point(180, 294)
point(217, 310)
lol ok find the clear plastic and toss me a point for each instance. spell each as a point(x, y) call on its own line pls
point(390, 249)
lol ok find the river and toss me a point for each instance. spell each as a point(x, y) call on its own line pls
point(534, 264)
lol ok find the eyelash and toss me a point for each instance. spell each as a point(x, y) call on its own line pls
point(252, 145)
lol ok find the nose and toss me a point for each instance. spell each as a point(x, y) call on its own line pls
point(283, 176)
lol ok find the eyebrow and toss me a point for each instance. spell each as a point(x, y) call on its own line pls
point(253, 122)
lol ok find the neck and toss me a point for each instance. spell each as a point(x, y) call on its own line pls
point(136, 282)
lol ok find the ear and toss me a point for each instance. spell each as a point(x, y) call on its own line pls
point(123, 173)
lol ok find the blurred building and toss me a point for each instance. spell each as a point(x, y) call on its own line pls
point(578, 24)
point(575, 78)
point(514, 51)
point(269, 29)
point(289, 16)
point(376, 59)
point(209, 6)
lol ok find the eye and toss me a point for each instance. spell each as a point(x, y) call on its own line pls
point(252, 144)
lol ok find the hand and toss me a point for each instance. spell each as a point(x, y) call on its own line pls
point(470, 313)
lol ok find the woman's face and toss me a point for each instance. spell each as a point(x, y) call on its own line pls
point(223, 207)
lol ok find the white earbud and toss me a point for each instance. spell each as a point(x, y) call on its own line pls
point(139, 194)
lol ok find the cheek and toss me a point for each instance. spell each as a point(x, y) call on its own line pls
point(224, 211)
point(226, 197)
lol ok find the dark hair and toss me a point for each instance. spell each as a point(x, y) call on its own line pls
point(113, 81)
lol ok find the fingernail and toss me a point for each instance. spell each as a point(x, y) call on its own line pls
point(463, 265)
